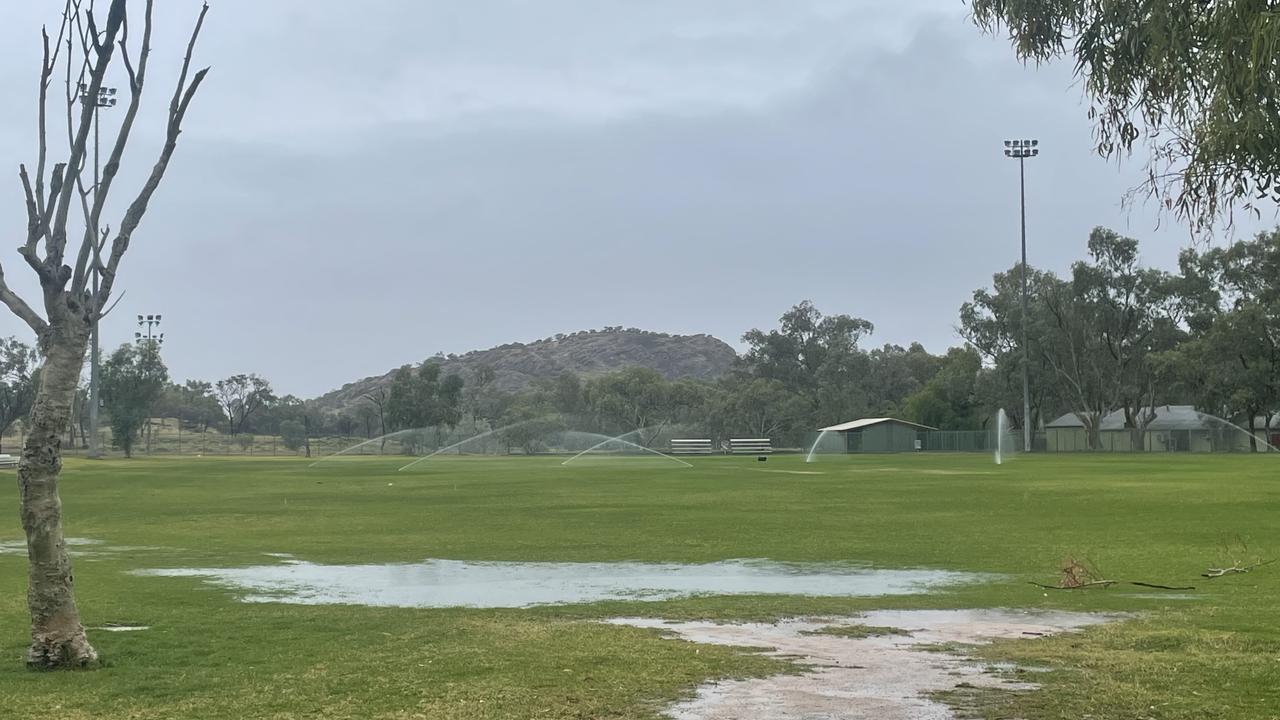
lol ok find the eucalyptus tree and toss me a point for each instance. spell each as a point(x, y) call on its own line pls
point(241, 397)
point(1231, 295)
point(133, 379)
point(815, 356)
point(1109, 324)
point(76, 283)
point(991, 322)
point(18, 377)
point(1194, 82)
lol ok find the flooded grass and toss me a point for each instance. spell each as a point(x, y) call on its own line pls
point(452, 583)
point(209, 655)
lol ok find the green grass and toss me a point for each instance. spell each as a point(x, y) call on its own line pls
point(856, 632)
point(1162, 519)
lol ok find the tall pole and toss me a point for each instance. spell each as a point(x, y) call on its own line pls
point(152, 341)
point(1021, 150)
point(105, 99)
point(1026, 351)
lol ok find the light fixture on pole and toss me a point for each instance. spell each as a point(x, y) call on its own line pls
point(1020, 150)
point(150, 322)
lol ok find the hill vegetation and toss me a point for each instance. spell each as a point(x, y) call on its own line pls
point(514, 367)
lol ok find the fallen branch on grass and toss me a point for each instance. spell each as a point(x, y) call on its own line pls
point(1109, 583)
point(1234, 569)
point(1164, 587)
point(1081, 586)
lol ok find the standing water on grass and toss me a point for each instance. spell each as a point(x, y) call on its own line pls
point(453, 583)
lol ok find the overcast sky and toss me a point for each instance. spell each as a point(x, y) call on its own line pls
point(361, 185)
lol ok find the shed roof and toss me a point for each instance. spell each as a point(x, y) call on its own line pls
point(1168, 417)
point(868, 422)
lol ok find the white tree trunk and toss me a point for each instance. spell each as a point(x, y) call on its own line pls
point(57, 638)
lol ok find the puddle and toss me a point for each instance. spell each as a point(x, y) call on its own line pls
point(121, 627)
point(1163, 596)
point(85, 548)
point(452, 583)
point(885, 677)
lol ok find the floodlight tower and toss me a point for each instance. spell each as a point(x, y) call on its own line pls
point(150, 322)
point(1020, 150)
point(105, 98)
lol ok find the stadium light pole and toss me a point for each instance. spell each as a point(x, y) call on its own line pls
point(150, 322)
point(1020, 150)
point(106, 98)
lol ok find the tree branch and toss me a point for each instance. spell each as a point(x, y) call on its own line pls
point(182, 95)
point(21, 308)
point(89, 247)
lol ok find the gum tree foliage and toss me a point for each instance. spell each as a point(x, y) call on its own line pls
point(424, 399)
point(18, 378)
point(992, 324)
point(75, 254)
point(814, 356)
point(241, 397)
point(949, 400)
point(761, 408)
point(1231, 297)
point(1109, 324)
point(1192, 83)
point(133, 379)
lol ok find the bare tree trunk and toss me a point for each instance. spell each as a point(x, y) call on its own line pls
point(57, 637)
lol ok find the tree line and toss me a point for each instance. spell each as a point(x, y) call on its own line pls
point(1114, 335)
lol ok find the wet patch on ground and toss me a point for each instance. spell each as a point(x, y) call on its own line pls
point(453, 583)
point(861, 676)
point(86, 548)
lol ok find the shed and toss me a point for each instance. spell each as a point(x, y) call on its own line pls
point(1174, 428)
point(879, 435)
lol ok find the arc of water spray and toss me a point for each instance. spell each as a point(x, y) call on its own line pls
point(814, 448)
point(1273, 448)
point(606, 441)
point(464, 442)
point(380, 438)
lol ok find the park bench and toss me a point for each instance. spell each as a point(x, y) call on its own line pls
point(691, 446)
point(750, 446)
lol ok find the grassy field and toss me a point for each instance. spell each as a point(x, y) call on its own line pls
point(1163, 519)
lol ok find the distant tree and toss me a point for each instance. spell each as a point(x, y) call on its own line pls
point(630, 399)
point(377, 398)
point(527, 424)
point(1231, 296)
point(198, 404)
point(992, 324)
point(478, 395)
point(761, 408)
point(346, 423)
point(132, 379)
point(241, 396)
point(18, 377)
point(894, 373)
point(1193, 81)
point(423, 399)
point(815, 356)
point(293, 433)
point(1109, 325)
point(949, 400)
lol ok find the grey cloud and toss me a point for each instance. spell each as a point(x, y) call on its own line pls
point(864, 172)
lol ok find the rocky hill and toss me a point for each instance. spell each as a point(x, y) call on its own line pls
point(587, 353)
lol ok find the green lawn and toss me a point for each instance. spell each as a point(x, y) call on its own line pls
point(1162, 519)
